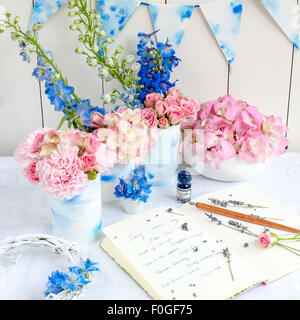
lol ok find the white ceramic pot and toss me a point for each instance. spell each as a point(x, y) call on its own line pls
point(133, 207)
point(235, 169)
point(164, 158)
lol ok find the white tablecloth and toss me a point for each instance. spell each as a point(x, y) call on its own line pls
point(25, 209)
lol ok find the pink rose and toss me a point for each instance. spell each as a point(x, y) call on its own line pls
point(161, 108)
point(89, 161)
point(190, 108)
point(172, 100)
point(31, 173)
point(265, 239)
point(61, 173)
point(151, 99)
point(174, 92)
point(163, 123)
point(175, 114)
point(149, 116)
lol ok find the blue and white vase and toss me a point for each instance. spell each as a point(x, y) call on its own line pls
point(80, 218)
point(110, 180)
point(164, 158)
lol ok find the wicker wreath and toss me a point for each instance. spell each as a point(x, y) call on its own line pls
point(60, 285)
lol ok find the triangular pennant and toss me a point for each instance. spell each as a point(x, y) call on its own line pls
point(224, 19)
point(115, 14)
point(171, 21)
point(44, 9)
point(282, 12)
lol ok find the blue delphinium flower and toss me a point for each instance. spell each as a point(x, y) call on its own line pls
point(77, 111)
point(76, 278)
point(137, 187)
point(157, 62)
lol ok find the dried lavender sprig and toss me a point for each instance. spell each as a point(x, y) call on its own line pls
point(227, 254)
point(232, 225)
point(224, 203)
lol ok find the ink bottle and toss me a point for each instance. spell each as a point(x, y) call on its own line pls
point(184, 187)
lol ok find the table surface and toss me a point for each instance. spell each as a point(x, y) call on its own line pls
point(25, 209)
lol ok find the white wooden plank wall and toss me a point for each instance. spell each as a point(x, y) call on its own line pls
point(266, 72)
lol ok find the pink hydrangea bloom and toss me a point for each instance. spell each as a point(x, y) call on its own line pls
point(129, 134)
point(30, 148)
point(234, 128)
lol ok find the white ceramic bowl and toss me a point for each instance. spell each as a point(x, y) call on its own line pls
point(231, 170)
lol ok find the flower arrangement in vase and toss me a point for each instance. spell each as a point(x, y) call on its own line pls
point(135, 190)
point(67, 163)
point(233, 139)
point(126, 134)
point(165, 106)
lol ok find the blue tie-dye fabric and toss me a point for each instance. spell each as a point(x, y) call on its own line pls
point(171, 21)
point(115, 14)
point(224, 18)
point(44, 9)
point(282, 13)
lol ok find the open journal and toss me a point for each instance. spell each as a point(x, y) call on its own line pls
point(179, 254)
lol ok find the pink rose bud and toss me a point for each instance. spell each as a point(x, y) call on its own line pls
point(175, 114)
point(149, 116)
point(265, 239)
point(174, 92)
point(163, 123)
point(151, 99)
point(161, 108)
point(89, 161)
point(97, 121)
point(172, 100)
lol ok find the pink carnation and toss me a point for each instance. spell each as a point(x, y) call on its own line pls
point(62, 174)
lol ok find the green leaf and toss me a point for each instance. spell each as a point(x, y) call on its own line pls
point(62, 121)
